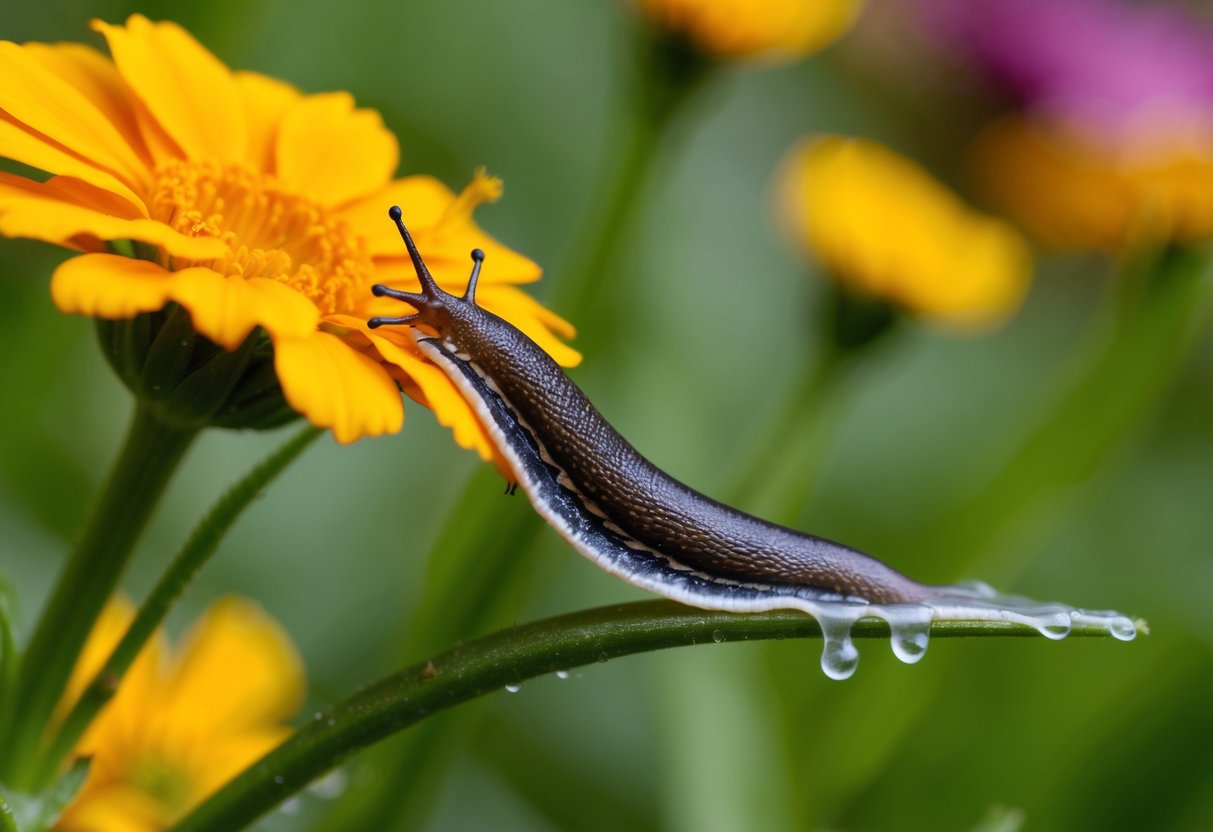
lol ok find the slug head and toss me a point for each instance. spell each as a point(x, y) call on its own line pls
point(437, 309)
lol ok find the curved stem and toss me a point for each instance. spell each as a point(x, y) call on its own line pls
point(150, 456)
point(197, 550)
point(510, 657)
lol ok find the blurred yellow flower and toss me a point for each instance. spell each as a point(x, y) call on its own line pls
point(882, 225)
point(183, 722)
point(251, 205)
point(773, 29)
point(1072, 192)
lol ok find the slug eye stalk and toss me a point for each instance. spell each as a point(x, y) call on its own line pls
point(432, 297)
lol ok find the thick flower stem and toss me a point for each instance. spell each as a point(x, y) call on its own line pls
point(196, 551)
point(151, 454)
point(509, 657)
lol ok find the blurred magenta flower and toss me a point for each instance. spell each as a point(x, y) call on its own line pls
point(1101, 66)
point(1117, 115)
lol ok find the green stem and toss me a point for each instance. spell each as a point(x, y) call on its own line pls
point(794, 425)
point(197, 550)
point(510, 657)
point(8, 662)
point(151, 454)
point(664, 80)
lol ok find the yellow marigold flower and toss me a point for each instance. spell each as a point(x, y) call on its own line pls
point(1071, 192)
point(183, 722)
point(251, 205)
point(773, 29)
point(882, 225)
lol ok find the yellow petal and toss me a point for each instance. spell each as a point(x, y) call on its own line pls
point(226, 309)
point(114, 807)
point(110, 626)
point(535, 321)
point(33, 95)
point(446, 246)
point(266, 100)
point(63, 208)
point(96, 77)
point(237, 669)
point(110, 286)
point(337, 387)
point(429, 386)
point(19, 144)
point(230, 753)
point(188, 90)
point(332, 152)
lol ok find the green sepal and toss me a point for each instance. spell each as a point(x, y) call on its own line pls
point(187, 380)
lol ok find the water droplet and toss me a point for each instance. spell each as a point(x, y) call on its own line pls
point(910, 632)
point(1054, 625)
point(839, 656)
point(562, 674)
point(319, 715)
point(513, 688)
point(1122, 628)
point(331, 786)
point(279, 779)
point(603, 656)
point(717, 636)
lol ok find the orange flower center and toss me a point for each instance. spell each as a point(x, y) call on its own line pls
point(270, 232)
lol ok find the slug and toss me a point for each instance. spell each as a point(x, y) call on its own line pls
point(635, 521)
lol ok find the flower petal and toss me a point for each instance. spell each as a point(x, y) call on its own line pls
point(188, 90)
point(64, 208)
point(35, 96)
point(237, 670)
point(333, 152)
point(535, 321)
point(226, 309)
point(110, 286)
point(21, 145)
point(426, 384)
point(96, 77)
point(266, 100)
point(445, 244)
point(114, 807)
point(337, 387)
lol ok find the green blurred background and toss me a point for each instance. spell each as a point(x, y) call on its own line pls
point(715, 331)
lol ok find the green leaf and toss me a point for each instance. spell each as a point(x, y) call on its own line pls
point(40, 812)
point(8, 823)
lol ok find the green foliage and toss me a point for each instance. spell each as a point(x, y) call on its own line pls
point(375, 555)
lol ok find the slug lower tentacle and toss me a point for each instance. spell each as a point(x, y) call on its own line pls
point(637, 522)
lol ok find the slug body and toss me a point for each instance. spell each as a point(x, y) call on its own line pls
point(636, 521)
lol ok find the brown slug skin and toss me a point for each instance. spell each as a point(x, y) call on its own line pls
point(635, 497)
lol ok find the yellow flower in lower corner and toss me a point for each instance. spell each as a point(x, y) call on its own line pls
point(254, 207)
point(1075, 191)
point(883, 226)
point(183, 722)
point(771, 29)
